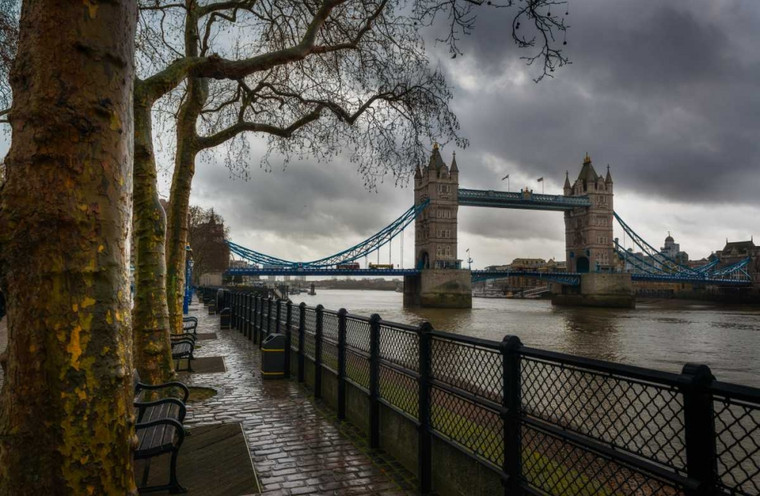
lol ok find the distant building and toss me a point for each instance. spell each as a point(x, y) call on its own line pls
point(673, 251)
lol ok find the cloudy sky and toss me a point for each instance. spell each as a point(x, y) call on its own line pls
point(666, 93)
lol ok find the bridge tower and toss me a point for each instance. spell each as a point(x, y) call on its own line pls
point(589, 246)
point(442, 283)
point(588, 230)
point(435, 230)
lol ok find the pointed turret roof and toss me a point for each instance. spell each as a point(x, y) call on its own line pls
point(608, 179)
point(567, 180)
point(588, 174)
point(436, 161)
point(454, 167)
point(417, 173)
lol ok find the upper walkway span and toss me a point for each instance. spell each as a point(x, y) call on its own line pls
point(520, 200)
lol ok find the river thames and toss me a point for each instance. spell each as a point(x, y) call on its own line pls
point(659, 334)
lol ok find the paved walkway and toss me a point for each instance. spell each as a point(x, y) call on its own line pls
point(295, 445)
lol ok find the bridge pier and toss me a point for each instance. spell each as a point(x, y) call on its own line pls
point(597, 290)
point(439, 288)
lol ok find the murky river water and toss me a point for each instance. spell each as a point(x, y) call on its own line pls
point(662, 334)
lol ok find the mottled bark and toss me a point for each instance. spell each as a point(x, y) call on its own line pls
point(150, 316)
point(184, 170)
point(66, 409)
point(179, 204)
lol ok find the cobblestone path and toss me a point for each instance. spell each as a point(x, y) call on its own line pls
point(296, 447)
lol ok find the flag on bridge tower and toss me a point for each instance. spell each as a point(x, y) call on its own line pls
point(540, 179)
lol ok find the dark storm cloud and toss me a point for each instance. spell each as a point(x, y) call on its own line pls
point(667, 93)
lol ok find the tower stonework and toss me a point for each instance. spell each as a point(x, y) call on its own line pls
point(588, 230)
point(441, 282)
point(589, 246)
point(435, 229)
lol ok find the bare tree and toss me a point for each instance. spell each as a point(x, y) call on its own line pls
point(361, 83)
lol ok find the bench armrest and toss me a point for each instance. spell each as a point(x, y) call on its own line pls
point(154, 387)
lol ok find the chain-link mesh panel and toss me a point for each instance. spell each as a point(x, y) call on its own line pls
point(560, 468)
point(294, 338)
point(283, 315)
point(737, 427)
point(400, 346)
point(474, 369)
point(645, 419)
point(473, 426)
point(309, 348)
point(357, 368)
point(310, 320)
point(400, 390)
point(265, 308)
point(330, 355)
point(330, 325)
point(357, 333)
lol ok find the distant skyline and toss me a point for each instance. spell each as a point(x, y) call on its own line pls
point(666, 93)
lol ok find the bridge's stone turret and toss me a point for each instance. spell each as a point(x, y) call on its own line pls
point(435, 230)
point(441, 282)
point(589, 246)
point(588, 230)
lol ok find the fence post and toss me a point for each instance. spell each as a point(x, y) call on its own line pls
point(424, 440)
point(249, 316)
point(374, 381)
point(278, 314)
point(342, 364)
point(288, 336)
point(243, 310)
point(699, 429)
point(301, 332)
point(510, 414)
point(318, 353)
point(256, 311)
point(269, 315)
point(233, 301)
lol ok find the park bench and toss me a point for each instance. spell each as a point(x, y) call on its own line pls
point(159, 429)
point(183, 347)
point(190, 324)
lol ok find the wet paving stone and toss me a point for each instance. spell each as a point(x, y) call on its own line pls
point(296, 445)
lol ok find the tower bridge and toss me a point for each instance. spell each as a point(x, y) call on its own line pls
point(595, 260)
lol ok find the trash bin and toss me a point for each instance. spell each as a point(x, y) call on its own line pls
point(221, 299)
point(273, 357)
point(225, 318)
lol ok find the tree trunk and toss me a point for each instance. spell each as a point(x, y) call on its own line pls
point(66, 405)
point(150, 317)
point(184, 169)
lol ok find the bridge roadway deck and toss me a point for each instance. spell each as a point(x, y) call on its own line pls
point(566, 278)
point(296, 446)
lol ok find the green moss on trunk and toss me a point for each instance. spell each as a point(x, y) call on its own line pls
point(65, 411)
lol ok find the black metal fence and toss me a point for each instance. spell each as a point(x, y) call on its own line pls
point(545, 422)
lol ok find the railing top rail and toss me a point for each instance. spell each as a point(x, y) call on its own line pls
point(630, 371)
point(483, 343)
point(353, 316)
point(736, 391)
point(396, 325)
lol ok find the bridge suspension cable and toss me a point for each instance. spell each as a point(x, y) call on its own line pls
point(668, 264)
point(655, 263)
point(373, 243)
